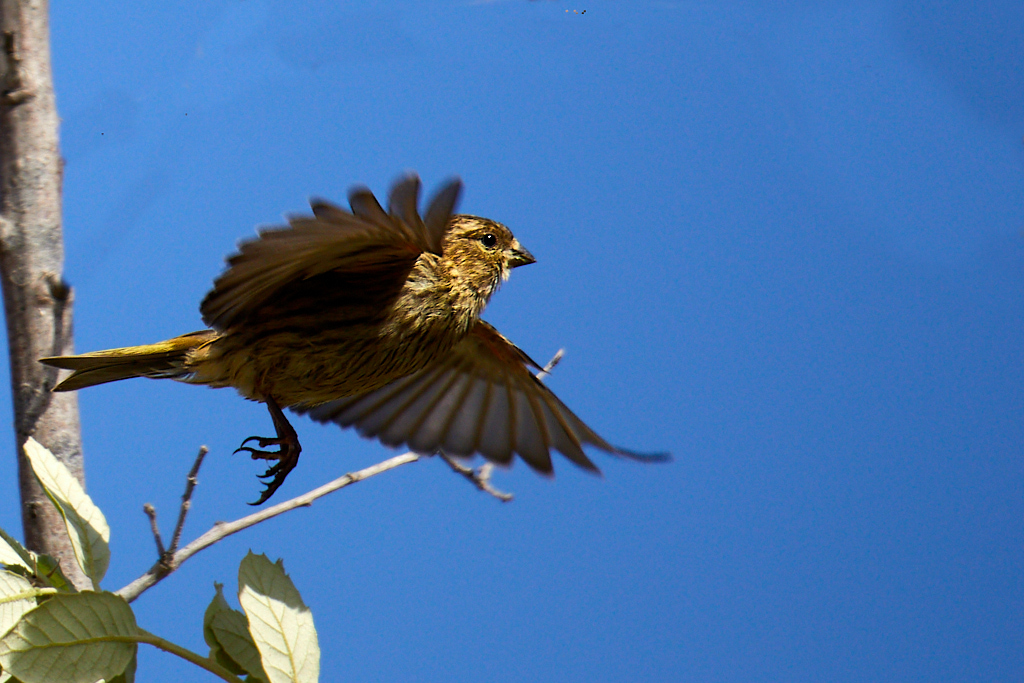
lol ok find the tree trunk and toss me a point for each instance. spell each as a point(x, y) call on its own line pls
point(37, 302)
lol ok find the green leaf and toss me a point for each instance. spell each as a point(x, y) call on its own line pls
point(86, 525)
point(280, 623)
point(128, 675)
point(48, 571)
point(17, 596)
point(226, 631)
point(71, 638)
point(218, 605)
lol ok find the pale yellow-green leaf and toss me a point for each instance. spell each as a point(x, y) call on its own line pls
point(16, 598)
point(71, 638)
point(226, 631)
point(37, 568)
point(9, 557)
point(86, 525)
point(13, 553)
point(280, 623)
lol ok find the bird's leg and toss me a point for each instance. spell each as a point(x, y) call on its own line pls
point(286, 455)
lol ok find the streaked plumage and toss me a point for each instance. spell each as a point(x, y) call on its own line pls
point(369, 319)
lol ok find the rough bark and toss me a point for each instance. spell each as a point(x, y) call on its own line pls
point(37, 302)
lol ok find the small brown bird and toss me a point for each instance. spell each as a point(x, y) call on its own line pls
point(368, 319)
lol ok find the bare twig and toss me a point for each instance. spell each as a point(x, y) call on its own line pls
point(186, 502)
point(186, 498)
point(555, 360)
point(151, 513)
point(481, 477)
point(222, 530)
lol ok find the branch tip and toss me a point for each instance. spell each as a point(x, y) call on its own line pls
point(480, 477)
point(151, 513)
point(186, 498)
point(555, 360)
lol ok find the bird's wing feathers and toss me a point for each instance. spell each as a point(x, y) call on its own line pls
point(382, 245)
point(480, 398)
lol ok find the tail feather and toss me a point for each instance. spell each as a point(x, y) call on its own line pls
point(163, 359)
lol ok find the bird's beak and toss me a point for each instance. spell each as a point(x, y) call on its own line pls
point(520, 256)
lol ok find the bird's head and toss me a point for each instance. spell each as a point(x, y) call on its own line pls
point(483, 251)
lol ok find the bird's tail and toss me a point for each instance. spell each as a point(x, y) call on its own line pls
point(163, 359)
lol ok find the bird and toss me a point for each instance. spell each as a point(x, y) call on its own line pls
point(369, 319)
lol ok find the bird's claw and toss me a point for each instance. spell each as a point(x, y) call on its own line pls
point(271, 471)
point(279, 472)
point(263, 442)
point(287, 456)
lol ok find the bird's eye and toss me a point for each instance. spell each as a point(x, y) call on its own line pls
point(488, 240)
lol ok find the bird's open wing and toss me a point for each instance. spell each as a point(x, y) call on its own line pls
point(372, 248)
point(481, 398)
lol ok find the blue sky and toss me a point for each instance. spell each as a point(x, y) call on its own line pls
point(782, 240)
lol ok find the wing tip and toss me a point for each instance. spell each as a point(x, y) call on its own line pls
point(320, 206)
point(661, 456)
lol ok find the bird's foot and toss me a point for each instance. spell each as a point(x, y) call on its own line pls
point(287, 456)
point(263, 442)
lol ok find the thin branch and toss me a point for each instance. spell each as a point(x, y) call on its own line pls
point(151, 513)
point(555, 360)
point(186, 498)
point(480, 477)
point(221, 530)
